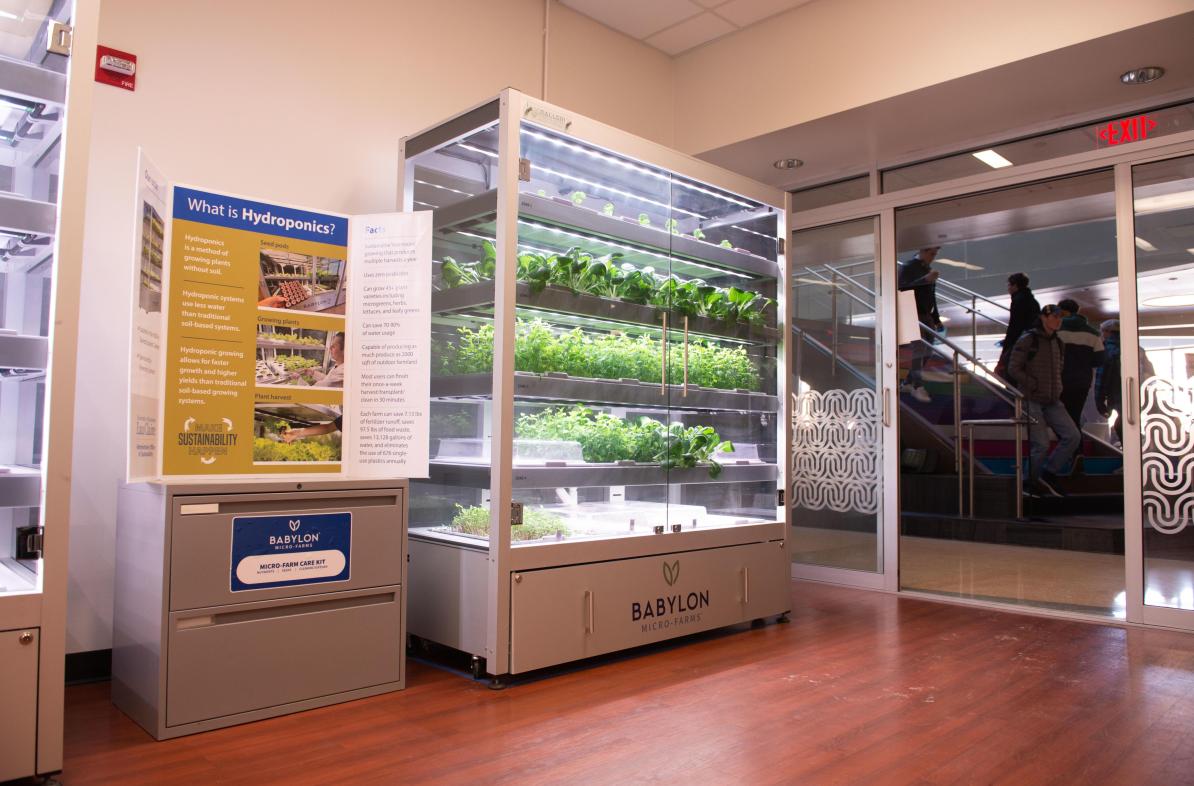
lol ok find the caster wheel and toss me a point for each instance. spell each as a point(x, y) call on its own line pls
point(497, 683)
point(783, 619)
point(477, 667)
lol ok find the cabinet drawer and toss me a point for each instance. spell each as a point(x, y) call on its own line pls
point(564, 614)
point(251, 656)
point(201, 543)
point(18, 702)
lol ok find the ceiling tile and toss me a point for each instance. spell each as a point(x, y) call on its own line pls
point(636, 18)
point(747, 12)
point(690, 33)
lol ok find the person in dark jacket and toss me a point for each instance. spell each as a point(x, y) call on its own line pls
point(1084, 353)
point(1024, 312)
point(1108, 383)
point(1036, 364)
point(917, 275)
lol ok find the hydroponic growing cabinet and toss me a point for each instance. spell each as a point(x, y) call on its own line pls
point(607, 402)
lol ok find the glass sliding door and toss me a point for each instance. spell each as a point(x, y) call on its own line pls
point(837, 422)
point(1011, 468)
point(1161, 388)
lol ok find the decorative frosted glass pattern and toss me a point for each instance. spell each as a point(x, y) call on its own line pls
point(1167, 435)
point(835, 450)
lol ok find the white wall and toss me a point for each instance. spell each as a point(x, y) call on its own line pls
point(299, 101)
point(832, 55)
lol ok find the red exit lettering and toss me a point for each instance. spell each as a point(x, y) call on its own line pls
point(1133, 129)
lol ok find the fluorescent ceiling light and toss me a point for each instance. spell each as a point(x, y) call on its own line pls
point(1190, 250)
point(8, 15)
point(992, 159)
point(1164, 202)
point(1144, 245)
point(956, 263)
point(1171, 301)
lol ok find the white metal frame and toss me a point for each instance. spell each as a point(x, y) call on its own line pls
point(503, 559)
point(1120, 159)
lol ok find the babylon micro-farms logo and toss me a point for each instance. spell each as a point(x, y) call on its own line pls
point(671, 573)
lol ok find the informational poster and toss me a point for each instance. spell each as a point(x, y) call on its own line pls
point(145, 342)
point(284, 551)
point(255, 338)
point(390, 395)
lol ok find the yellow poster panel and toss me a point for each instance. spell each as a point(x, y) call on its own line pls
point(255, 338)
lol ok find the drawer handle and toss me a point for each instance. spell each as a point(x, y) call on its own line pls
point(590, 622)
point(278, 612)
point(746, 586)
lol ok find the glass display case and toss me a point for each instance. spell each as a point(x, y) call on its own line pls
point(607, 352)
point(42, 178)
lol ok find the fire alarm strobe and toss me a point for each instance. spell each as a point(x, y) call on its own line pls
point(118, 65)
point(115, 68)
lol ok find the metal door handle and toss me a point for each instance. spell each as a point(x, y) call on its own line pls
point(746, 586)
point(590, 623)
point(1130, 409)
point(886, 407)
point(663, 358)
point(685, 393)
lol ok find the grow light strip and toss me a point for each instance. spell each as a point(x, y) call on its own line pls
point(632, 249)
point(618, 191)
point(636, 168)
point(444, 188)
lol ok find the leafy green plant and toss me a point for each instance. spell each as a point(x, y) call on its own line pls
point(672, 225)
point(536, 523)
point(726, 244)
point(295, 362)
point(608, 208)
point(644, 219)
point(324, 448)
point(698, 234)
point(577, 197)
point(579, 271)
point(605, 438)
point(538, 348)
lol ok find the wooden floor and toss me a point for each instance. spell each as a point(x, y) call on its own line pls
point(860, 688)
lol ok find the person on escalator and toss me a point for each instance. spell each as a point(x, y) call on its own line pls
point(1036, 363)
point(1084, 352)
point(1024, 311)
point(917, 275)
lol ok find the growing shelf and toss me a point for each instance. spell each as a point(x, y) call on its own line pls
point(621, 231)
point(23, 352)
point(596, 475)
point(558, 387)
point(558, 300)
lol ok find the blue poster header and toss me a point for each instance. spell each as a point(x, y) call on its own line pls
point(205, 207)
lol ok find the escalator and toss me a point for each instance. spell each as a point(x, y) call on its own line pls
point(958, 477)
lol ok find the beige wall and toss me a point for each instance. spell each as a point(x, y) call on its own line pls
point(832, 55)
point(298, 101)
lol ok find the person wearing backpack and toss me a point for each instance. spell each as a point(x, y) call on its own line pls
point(1084, 352)
point(1036, 364)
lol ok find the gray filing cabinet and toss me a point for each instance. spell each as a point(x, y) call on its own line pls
point(208, 633)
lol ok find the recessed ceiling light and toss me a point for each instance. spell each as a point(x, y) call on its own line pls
point(1171, 301)
point(992, 159)
point(1142, 76)
point(788, 163)
point(1144, 245)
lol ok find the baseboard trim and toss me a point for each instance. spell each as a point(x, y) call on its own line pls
point(93, 666)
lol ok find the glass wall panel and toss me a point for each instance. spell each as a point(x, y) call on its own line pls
point(837, 477)
point(1164, 205)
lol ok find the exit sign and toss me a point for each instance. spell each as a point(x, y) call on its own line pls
point(1132, 129)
